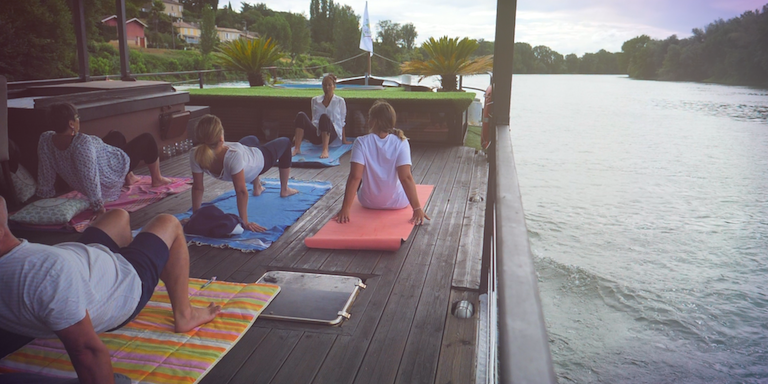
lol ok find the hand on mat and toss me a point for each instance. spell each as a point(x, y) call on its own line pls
point(254, 227)
point(418, 217)
point(345, 141)
point(343, 216)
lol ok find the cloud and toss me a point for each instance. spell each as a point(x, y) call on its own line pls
point(567, 26)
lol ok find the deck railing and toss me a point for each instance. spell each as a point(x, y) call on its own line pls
point(523, 354)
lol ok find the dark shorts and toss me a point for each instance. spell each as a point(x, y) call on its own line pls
point(147, 253)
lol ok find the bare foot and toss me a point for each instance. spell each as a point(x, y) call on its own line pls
point(163, 181)
point(288, 192)
point(131, 179)
point(324, 155)
point(258, 188)
point(295, 151)
point(197, 316)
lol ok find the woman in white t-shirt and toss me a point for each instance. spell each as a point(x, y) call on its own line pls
point(381, 160)
point(239, 163)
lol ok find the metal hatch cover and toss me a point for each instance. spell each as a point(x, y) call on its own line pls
point(311, 297)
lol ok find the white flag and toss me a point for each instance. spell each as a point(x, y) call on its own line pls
point(366, 40)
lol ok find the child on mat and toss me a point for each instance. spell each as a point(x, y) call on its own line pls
point(381, 160)
point(239, 163)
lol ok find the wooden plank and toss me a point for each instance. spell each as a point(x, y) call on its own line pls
point(469, 259)
point(225, 369)
point(457, 354)
point(305, 359)
point(426, 334)
point(356, 358)
point(262, 365)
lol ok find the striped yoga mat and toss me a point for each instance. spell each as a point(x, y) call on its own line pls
point(148, 351)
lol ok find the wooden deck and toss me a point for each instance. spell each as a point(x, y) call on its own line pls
point(401, 329)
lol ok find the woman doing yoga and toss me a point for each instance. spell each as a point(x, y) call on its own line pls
point(94, 167)
point(381, 160)
point(240, 163)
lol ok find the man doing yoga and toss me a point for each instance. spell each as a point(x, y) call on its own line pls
point(76, 290)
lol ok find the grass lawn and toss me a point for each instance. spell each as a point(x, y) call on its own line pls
point(459, 99)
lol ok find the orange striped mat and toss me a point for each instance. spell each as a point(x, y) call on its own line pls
point(148, 351)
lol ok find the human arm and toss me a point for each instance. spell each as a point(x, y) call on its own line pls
point(198, 189)
point(344, 136)
point(87, 172)
point(409, 186)
point(90, 357)
point(353, 182)
point(242, 196)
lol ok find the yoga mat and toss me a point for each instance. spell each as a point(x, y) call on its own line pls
point(133, 198)
point(268, 210)
point(310, 155)
point(369, 229)
point(148, 351)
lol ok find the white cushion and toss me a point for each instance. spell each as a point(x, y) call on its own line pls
point(24, 184)
point(50, 211)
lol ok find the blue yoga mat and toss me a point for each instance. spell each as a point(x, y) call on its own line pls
point(268, 210)
point(310, 155)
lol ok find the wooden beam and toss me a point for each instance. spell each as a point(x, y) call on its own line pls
point(125, 63)
point(78, 18)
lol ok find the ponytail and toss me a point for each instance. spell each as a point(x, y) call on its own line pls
point(382, 118)
point(207, 133)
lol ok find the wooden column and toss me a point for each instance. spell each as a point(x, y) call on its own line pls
point(125, 63)
point(78, 18)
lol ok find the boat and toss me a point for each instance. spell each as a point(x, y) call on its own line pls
point(458, 302)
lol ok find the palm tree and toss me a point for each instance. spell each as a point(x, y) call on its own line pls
point(249, 56)
point(449, 58)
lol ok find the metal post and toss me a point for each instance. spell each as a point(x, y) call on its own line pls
point(503, 52)
point(78, 17)
point(200, 78)
point(125, 62)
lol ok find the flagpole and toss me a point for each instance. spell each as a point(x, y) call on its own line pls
point(366, 40)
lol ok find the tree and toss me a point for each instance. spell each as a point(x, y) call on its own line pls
point(249, 56)
point(300, 38)
point(448, 58)
point(408, 35)
point(347, 38)
point(208, 36)
point(277, 28)
point(37, 40)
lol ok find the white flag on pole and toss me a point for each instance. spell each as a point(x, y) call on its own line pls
point(366, 39)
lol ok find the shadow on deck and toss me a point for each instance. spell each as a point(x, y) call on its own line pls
point(401, 329)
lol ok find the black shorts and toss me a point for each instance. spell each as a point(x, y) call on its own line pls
point(147, 253)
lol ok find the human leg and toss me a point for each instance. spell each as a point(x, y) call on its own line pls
point(175, 274)
point(279, 149)
point(304, 130)
point(253, 141)
point(250, 141)
point(327, 134)
point(144, 148)
point(115, 224)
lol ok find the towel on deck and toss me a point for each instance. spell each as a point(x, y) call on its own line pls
point(268, 210)
point(133, 198)
point(310, 155)
point(148, 351)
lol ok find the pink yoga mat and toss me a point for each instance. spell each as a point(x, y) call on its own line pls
point(369, 229)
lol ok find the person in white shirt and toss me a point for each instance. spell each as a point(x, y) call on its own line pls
point(381, 160)
point(240, 163)
point(97, 284)
point(329, 116)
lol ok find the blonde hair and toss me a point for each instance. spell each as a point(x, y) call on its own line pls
point(382, 118)
point(207, 133)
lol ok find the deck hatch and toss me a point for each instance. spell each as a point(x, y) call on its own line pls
point(311, 297)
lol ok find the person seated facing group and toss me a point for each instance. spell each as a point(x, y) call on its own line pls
point(77, 290)
point(329, 115)
point(94, 167)
point(381, 160)
point(240, 163)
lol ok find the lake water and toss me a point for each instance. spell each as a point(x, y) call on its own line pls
point(647, 210)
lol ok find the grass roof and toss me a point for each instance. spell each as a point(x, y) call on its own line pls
point(460, 99)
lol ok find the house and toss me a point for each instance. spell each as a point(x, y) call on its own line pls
point(228, 34)
point(134, 30)
point(188, 31)
point(173, 8)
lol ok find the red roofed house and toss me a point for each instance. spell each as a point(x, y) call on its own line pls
point(134, 30)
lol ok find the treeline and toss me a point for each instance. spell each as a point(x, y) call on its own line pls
point(729, 52)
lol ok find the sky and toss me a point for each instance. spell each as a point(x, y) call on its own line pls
point(567, 26)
